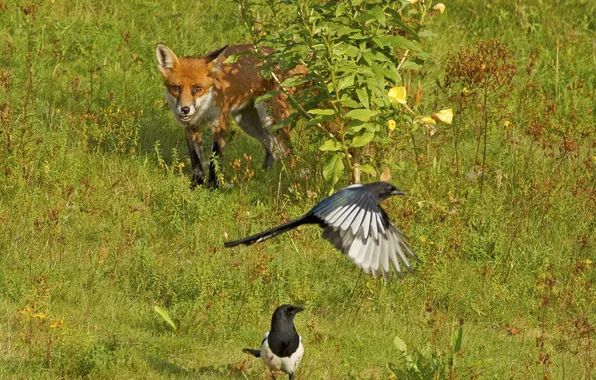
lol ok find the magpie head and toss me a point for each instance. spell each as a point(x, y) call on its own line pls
point(386, 190)
point(285, 313)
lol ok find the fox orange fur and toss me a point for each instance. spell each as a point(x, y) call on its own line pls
point(203, 92)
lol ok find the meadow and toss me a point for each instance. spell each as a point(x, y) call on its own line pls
point(98, 224)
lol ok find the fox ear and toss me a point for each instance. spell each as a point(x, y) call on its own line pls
point(214, 54)
point(166, 58)
point(215, 59)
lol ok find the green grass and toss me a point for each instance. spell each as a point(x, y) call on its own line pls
point(98, 224)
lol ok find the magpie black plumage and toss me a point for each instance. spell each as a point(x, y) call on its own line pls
point(354, 222)
point(281, 347)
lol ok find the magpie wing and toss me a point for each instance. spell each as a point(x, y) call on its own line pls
point(357, 226)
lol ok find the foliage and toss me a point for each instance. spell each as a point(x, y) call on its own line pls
point(352, 52)
point(428, 363)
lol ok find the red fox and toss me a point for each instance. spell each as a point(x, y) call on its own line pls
point(204, 91)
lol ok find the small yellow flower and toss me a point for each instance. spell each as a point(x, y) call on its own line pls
point(57, 323)
point(391, 125)
point(464, 90)
point(439, 7)
point(446, 116)
point(483, 67)
point(427, 120)
point(180, 165)
point(506, 123)
point(422, 240)
point(397, 95)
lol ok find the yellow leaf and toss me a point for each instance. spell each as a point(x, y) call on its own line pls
point(446, 116)
point(397, 95)
point(391, 125)
point(439, 7)
point(427, 120)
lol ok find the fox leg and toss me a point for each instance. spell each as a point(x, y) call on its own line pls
point(219, 141)
point(194, 140)
point(256, 124)
point(280, 110)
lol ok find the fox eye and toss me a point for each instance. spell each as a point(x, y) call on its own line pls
point(175, 88)
point(196, 89)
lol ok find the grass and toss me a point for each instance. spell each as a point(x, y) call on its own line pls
point(98, 224)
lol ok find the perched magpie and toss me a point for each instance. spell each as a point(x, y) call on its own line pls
point(282, 346)
point(354, 223)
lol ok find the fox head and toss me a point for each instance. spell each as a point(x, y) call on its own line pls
point(189, 81)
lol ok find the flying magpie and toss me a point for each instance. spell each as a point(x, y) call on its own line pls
point(355, 224)
point(281, 347)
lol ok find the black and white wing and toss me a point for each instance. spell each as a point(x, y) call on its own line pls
point(357, 226)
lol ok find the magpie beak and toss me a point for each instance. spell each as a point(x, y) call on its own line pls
point(398, 192)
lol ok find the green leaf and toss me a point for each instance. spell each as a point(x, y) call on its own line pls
point(268, 95)
point(368, 170)
point(363, 97)
point(410, 65)
point(400, 344)
point(362, 140)
point(350, 103)
point(319, 111)
point(396, 42)
point(340, 10)
point(163, 313)
point(332, 171)
point(330, 145)
point(361, 114)
point(396, 19)
point(392, 74)
point(234, 57)
point(456, 339)
point(346, 82)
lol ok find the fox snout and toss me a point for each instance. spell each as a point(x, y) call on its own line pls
point(185, 112)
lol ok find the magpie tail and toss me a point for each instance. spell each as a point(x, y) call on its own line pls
point(255, 353)
point(262, 236)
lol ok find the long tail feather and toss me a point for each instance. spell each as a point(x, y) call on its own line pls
point(255, 353)
point(262, 236)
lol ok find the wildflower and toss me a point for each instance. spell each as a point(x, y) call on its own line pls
point(506, 123)
point(180, 165)
point(391, 125)
point(464, 90)
point(439, 7)
point(446, 116)
point(57, 323)
point(397, 95)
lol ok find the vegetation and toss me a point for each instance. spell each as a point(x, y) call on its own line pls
point(111, 267)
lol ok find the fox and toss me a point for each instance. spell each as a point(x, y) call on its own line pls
point(203, 92)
